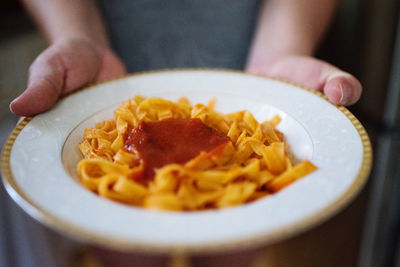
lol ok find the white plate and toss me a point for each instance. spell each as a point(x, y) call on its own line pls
point(40, 157)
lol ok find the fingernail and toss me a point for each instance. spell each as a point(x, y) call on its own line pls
point(10, 106)
point(13, 104)
point(345, 94)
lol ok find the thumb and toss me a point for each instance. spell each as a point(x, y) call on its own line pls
point(341, 88)
point(60, 69)
point(44, 86)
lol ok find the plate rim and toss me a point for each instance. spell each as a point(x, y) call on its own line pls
point(74, 232)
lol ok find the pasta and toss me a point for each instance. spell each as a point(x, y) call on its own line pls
point(159, 154)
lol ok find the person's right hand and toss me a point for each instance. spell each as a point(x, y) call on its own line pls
point(62, 68)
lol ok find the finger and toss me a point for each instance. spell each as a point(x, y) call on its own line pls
point(44, 85)
point(341, 88)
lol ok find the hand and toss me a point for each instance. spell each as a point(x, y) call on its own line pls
point(62, 68)
point(340, 87)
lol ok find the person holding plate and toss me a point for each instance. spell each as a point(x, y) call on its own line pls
point(274, 38)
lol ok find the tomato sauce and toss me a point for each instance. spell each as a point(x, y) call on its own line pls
point(171, 141)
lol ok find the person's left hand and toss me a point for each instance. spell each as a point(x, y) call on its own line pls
point(340, 87)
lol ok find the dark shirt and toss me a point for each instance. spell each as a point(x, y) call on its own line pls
point(156, 34)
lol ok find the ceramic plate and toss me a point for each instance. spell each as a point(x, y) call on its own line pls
point(40, 157)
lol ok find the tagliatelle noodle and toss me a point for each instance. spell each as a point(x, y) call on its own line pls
point(253, 164)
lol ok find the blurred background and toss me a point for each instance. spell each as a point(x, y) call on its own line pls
point(363, 40)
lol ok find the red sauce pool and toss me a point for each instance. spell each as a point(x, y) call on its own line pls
point(171, 141)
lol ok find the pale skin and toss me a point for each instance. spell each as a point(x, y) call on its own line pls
point(285, 39)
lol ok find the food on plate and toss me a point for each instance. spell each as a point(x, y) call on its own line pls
point(160, 154)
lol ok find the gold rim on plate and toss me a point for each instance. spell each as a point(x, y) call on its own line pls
point(77, 233)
